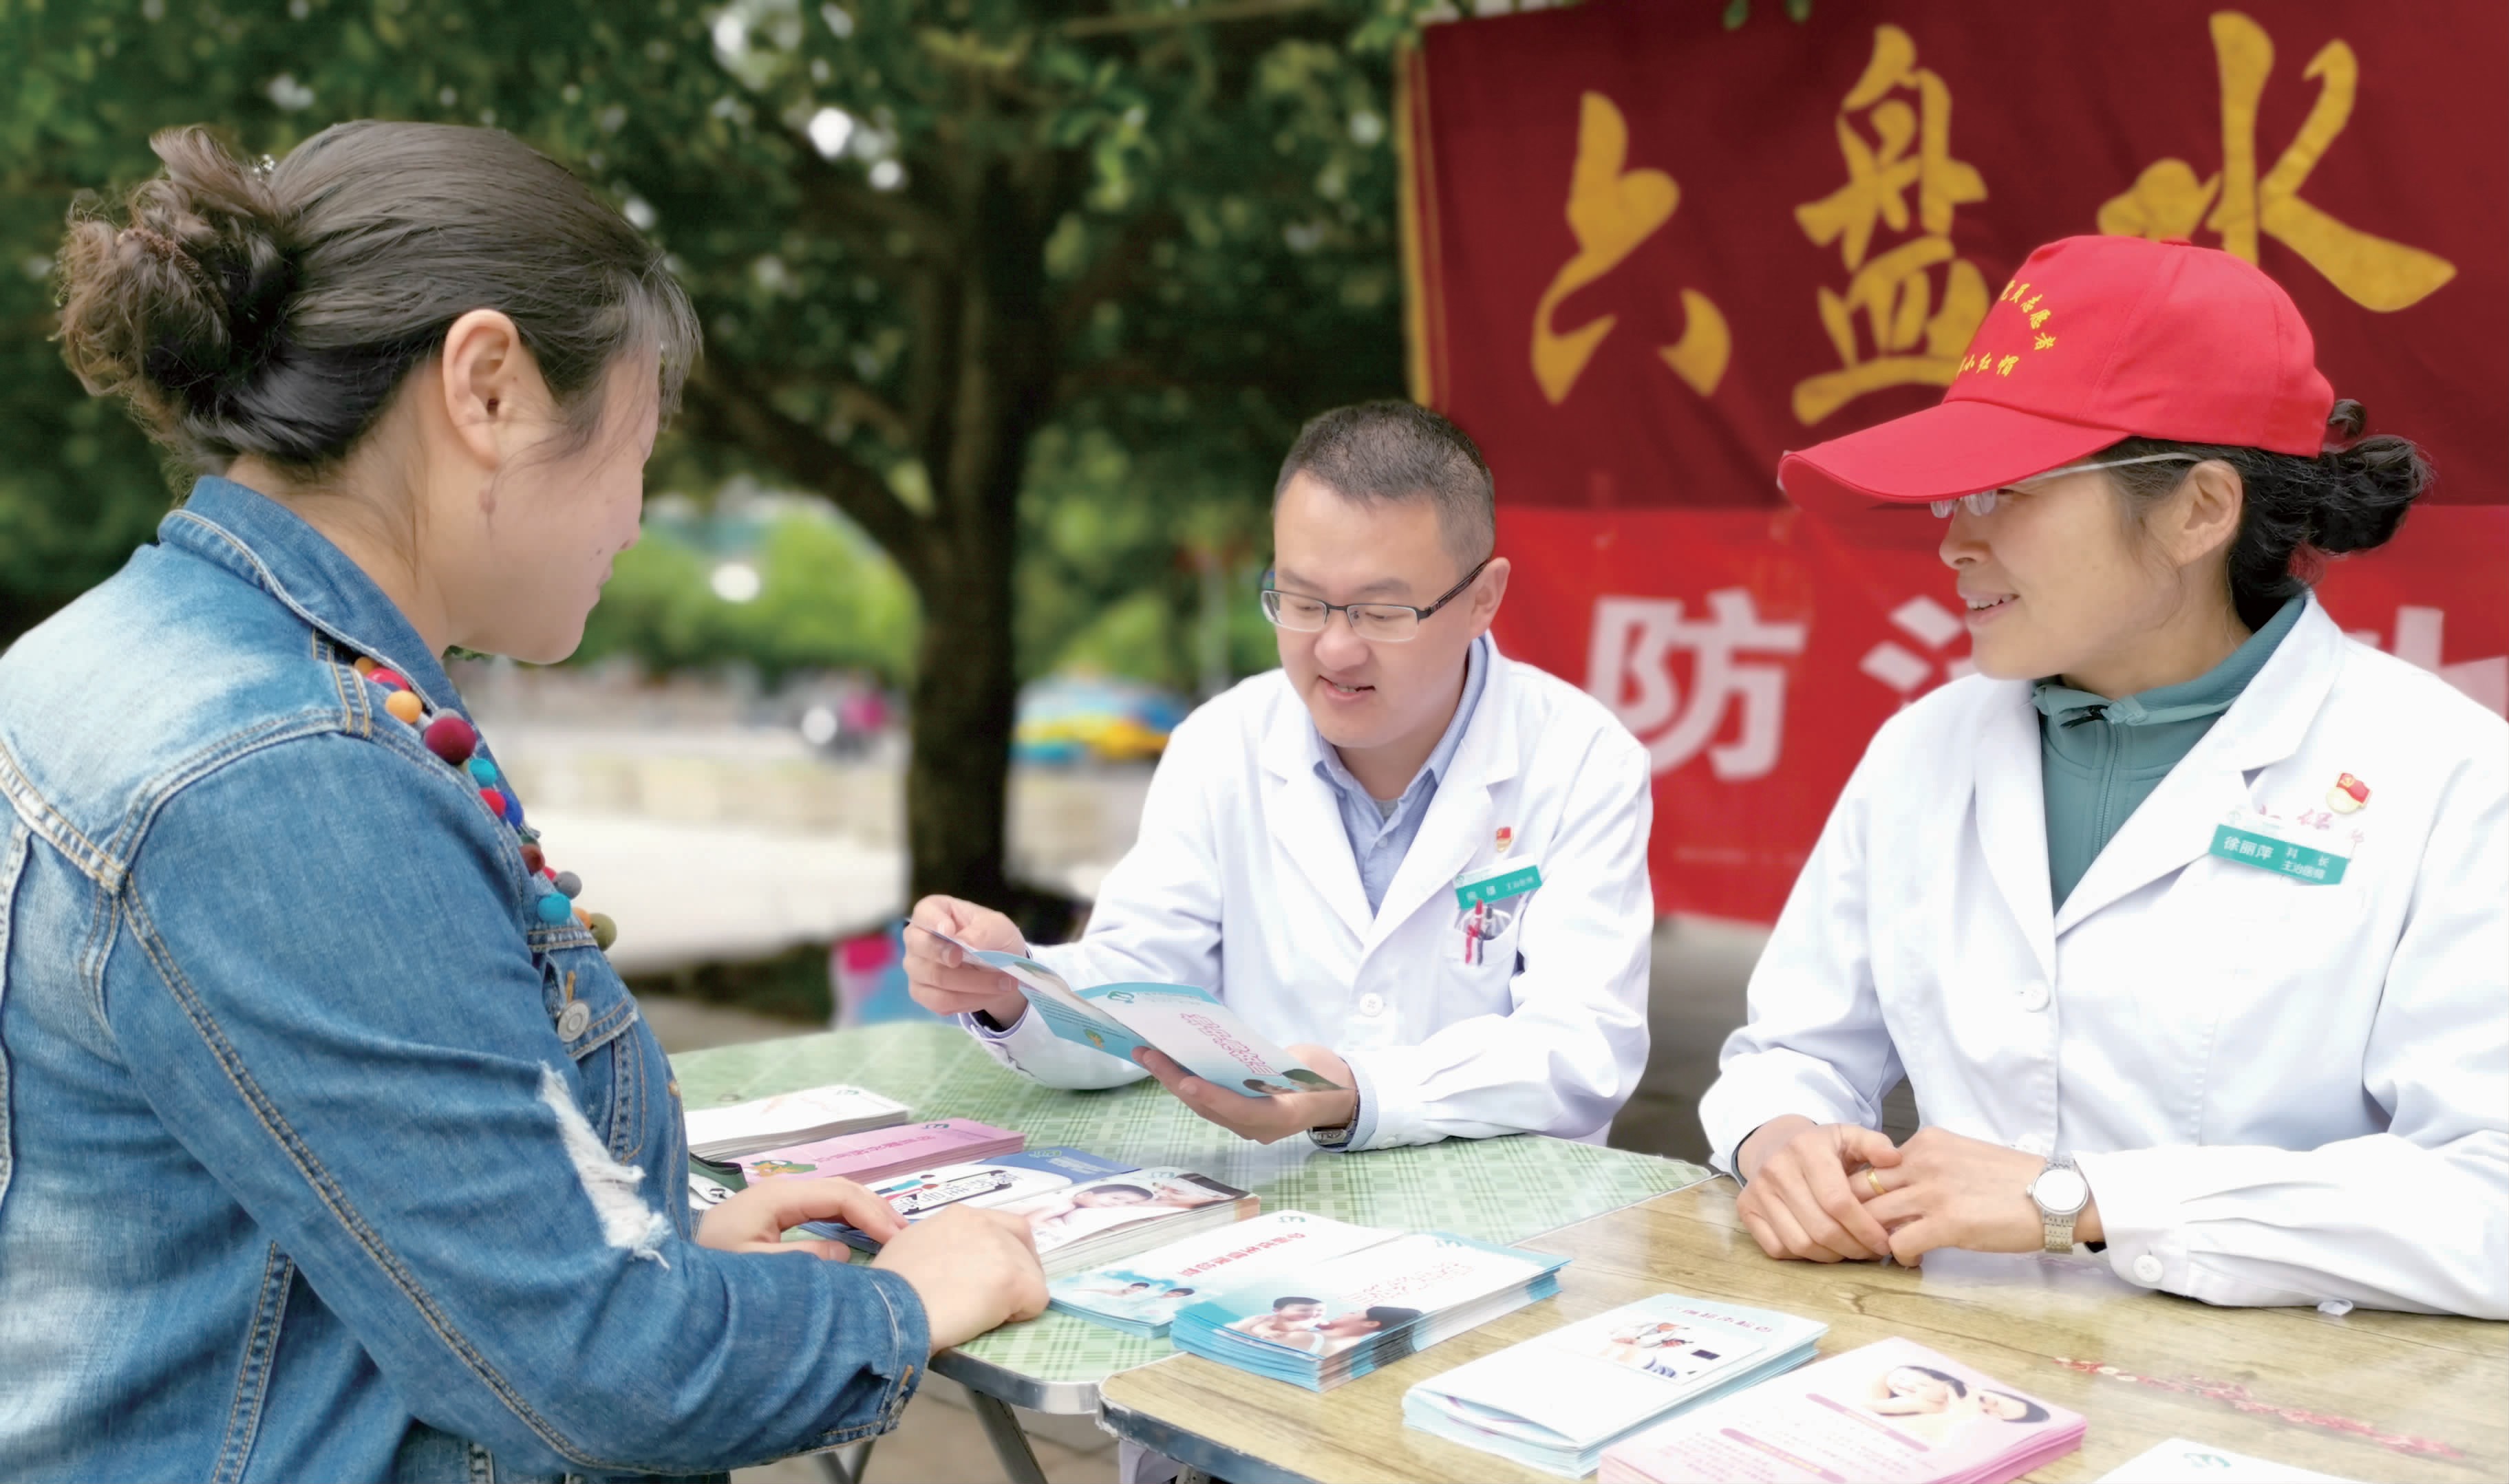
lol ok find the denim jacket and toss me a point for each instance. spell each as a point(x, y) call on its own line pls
point(299, 1179)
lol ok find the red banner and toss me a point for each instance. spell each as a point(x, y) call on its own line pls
point(1648, 255)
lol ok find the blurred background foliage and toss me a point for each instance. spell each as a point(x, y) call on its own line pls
point(1036, 293)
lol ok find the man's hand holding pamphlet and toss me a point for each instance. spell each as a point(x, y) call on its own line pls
point(1555, 1402)
point(1189, 1025)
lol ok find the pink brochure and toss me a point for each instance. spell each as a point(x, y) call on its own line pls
point(1891, 1413)
point(878, 1152)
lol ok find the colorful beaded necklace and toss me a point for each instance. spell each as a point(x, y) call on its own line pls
point(462, 748)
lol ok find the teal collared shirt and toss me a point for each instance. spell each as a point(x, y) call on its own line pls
point(2099, 760)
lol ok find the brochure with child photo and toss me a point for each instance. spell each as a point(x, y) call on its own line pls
point(1189, 1025)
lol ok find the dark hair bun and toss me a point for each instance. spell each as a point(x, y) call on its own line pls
point(179, 308)
point(2376, 481)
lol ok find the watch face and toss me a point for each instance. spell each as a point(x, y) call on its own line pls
point(2061, 1191)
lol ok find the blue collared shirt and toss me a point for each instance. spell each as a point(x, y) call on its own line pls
point(1380, 833)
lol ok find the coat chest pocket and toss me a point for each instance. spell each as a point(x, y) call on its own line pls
point(1481, 940)
point(596, 1021)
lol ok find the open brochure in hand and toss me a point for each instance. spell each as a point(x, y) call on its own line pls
point(1323, 1324)
point(1555, 1403)
point(1891, 1413)
point(883, 1152)
point(1141, 1294)
point(1084, 1211)
point(1190, 1025)
point(721, 1134)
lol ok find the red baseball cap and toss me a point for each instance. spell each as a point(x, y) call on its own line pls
point(2096, 339)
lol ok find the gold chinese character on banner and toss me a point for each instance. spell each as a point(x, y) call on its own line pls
point(1915, 342)
point(2167, 201)
point(1611, 211)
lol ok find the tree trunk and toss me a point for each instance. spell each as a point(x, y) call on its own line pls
point(966, 683)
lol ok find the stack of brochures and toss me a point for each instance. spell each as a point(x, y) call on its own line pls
point(1322, 1323)
point(1555, 1403)
point(724, 1134)
point(1141, 1294)
point(1082, 1209)
point(1891, 1412)
point(883, 1152)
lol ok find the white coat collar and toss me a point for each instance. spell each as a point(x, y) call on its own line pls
point(1307, 821)
point(2174, 826)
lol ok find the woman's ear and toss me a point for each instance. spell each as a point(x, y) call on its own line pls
point(2209, 505)
point(486, 375)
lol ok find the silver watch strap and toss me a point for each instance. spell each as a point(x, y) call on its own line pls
point(2060, 1229)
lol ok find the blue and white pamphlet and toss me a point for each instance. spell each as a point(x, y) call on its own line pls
point(1321, 1324)
point(1141, 1294)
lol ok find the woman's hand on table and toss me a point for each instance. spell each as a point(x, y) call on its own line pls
point(755, 1219)
point(1266, 1118)
point(939, 976)
point(1798, 1197)
point(1948, 1191)
point(975, 1269)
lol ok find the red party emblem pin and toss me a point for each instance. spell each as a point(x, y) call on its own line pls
point(1507, 837)
point(2348, 795)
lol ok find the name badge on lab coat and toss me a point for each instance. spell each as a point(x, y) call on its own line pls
point(2253, 840)
point(1496, 883)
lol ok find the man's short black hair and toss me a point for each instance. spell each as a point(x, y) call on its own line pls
point(1398, 451)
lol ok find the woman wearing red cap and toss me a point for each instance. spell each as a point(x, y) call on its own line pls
point(2184, 918)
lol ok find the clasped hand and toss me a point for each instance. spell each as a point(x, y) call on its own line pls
point(1842, 1193)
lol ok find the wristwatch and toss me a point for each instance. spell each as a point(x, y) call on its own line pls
point(2061, 1193)
point(1338, 1135)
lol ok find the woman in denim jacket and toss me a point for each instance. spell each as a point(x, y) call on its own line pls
point(330, 1145)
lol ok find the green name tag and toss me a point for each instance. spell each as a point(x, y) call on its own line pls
point(2317, 868)
point(1496, 883)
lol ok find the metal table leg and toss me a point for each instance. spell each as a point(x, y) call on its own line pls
point(1009, 1439)
point(844, 1466)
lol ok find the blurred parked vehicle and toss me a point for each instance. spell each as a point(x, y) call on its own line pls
point(1075, 719)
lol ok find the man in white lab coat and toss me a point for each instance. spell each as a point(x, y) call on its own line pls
point(1303, 838)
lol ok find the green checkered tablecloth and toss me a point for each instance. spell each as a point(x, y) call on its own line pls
point(1501, 1190)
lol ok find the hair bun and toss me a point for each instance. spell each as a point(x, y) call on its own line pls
point(179, 308)
point(2346, 420)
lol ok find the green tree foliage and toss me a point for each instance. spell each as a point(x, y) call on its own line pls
point(827, 599)
point(921, 233)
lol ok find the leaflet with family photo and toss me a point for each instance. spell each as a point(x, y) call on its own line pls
point(1190, 1025)
point(1142, 1294)
point(1891, 1413)
point(1558, 1402)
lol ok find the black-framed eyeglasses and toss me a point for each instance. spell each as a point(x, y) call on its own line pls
point(1375, 622)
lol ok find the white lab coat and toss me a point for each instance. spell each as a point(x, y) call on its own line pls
point(1243, 883)
point(2281, 1093)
